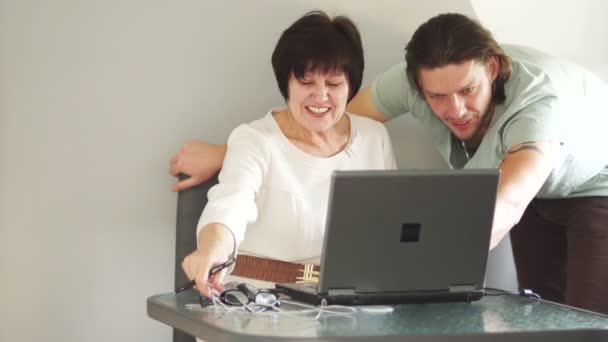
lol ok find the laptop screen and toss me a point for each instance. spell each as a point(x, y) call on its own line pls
point(408, 230)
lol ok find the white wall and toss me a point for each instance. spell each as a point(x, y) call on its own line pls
point(95, 96)
point(576, 30)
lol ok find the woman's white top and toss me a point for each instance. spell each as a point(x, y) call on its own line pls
point(273, 196)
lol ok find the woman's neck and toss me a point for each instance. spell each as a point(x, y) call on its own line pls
point(322, 144)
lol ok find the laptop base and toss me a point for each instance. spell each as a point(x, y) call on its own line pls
point(307, 293)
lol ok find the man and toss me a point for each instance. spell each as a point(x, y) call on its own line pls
point(538, 119)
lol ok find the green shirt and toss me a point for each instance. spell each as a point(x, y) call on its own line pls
point(547, 99)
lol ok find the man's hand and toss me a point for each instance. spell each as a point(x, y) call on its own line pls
point(199, 160)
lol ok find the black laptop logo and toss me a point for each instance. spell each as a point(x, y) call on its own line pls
point(410, 232)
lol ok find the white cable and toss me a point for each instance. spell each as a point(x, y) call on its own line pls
point(349, 309)
point(323, 304)
point(275, 310)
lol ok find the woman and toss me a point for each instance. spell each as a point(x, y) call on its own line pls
point(271, 199)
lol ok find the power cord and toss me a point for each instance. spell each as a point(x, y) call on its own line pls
point(275, 310)
point(490, 291)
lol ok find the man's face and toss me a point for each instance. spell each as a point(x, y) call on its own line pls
point(460, 95)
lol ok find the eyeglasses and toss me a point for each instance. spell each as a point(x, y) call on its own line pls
point(248, 296)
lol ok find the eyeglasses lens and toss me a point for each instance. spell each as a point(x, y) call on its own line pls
point(235, 297)
point(265, 298)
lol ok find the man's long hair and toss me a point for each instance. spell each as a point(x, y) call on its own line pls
point(454, 39)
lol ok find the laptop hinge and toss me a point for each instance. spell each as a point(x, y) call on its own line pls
point(461, 288)
point(341, 292)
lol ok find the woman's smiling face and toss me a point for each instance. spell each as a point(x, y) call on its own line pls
point(318, 100)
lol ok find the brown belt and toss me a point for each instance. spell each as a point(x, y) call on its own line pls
point(268, 269)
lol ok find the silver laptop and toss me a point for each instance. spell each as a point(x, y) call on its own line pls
point(406, 236)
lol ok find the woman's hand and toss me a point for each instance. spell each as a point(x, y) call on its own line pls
point(199, 160)
point(216, 246)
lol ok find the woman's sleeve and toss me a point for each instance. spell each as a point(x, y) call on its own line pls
point(387, 149)
point(232, 202)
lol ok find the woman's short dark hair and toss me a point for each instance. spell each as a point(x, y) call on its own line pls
point(453, 39)
point(318, 43)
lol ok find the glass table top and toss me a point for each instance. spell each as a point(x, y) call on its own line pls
point(491, 314)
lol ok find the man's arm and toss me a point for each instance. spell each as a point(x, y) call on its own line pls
point(524, 170)
point(363, 104)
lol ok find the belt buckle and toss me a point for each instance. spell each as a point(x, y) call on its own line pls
point(309, 275)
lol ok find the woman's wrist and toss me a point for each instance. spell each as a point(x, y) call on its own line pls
point(216, 235)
